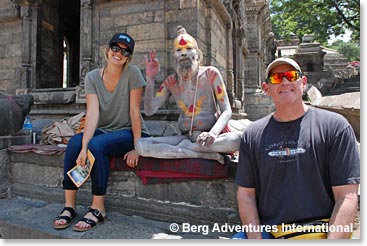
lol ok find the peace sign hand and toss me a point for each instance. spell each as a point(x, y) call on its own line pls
point(152, 66)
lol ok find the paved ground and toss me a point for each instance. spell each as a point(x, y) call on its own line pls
point(24, 218)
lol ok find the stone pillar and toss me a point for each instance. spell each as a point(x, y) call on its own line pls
point(253, 34)
point(86, 52)
point(230, 75)
point(29, 12)
point(235, 103)
point(239, 53)
point(258, 29)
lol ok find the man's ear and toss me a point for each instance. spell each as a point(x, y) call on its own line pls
point(265, 87)
point(304, 81)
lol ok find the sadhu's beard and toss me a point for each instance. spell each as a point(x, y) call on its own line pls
point(186, 68)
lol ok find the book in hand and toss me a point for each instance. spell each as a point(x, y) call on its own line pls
point(78, 174)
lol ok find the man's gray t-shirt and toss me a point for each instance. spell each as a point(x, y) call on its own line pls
point(114, 107)
point(293, 165)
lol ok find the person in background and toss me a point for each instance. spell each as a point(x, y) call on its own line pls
point(299, 164)
point(113, 126)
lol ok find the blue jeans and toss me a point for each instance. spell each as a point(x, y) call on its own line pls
point(103, 146)
point(242, 235)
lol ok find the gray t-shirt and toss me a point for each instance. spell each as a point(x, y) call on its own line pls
point(114, 107)
point(293, 165)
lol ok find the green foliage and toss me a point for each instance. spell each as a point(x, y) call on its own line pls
point(350, 50)
point(319, 17)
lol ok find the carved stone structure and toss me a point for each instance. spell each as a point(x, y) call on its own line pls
point(47, 47)
point(309, 55)
point(326, 68)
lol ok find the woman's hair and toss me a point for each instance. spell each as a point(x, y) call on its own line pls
point(128, 60)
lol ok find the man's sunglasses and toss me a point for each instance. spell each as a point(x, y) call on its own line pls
point(276, 78)
point(124, 52)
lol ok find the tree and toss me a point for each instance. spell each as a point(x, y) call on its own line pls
point(350, 50)
point(319, 17)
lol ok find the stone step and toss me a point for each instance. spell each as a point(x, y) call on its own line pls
point(352, 81)
point(348, 86)
point(22, 218)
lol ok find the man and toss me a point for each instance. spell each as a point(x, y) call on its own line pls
point(298, 164)
point(197, 90)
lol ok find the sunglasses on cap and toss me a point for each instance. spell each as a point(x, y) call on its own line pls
point(123, 51)
point(276, 78)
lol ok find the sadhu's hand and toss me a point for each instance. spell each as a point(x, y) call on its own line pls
point(206, 138)
point(152, 65)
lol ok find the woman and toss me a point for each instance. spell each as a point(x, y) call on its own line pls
point(113, 126)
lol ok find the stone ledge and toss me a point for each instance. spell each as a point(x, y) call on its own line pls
point(347, 104)
point(7, 141)
point(37, 176)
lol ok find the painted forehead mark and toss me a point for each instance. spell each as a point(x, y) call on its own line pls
point(184, 41)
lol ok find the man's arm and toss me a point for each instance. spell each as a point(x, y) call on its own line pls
point(346, 204)
point(246, 199)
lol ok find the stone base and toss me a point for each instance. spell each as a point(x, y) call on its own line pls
point(212, 201)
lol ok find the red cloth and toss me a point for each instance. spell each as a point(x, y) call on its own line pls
point(153, 170)
point(150, 170)
point(41, 149)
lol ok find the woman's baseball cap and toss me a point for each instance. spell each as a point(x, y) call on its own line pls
point(125, 39)
point(281, 61)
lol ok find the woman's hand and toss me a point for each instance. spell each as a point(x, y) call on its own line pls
point(131, 158)
point(82, 157)
point(152, 65)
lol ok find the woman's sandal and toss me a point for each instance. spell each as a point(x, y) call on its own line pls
point(97, 214)
point(68, 219)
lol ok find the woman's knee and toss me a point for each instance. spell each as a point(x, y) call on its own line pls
point(73, 148)
point(93, 145)
point(76, 141)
